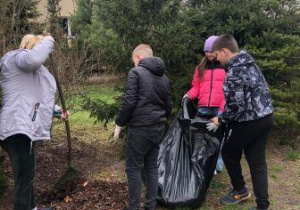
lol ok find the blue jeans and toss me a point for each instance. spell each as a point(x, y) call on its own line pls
point(141, 157)
point(220, 162)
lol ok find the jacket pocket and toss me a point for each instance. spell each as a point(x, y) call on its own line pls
point(43, 118)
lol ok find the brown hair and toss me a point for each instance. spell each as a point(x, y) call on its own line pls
point(202, 66)
point(226, 41)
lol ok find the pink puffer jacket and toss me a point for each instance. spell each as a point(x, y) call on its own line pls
point(209, 89)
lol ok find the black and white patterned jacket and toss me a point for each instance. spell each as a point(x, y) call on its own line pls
point(246, 91)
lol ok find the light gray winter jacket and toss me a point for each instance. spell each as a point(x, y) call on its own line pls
point(27, 87)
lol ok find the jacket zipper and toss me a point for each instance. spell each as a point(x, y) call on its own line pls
point(36, 107)
point(228, 135)
point(211, 86)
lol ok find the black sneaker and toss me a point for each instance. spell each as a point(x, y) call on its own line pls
point(254, 208)
point(235, 197)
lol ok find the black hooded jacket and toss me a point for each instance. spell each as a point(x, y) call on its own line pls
point(147, 98)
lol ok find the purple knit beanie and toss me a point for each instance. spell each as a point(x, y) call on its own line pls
point(209, 43)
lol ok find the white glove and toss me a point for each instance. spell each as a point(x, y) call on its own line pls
point(117, 131)
point(212, 126)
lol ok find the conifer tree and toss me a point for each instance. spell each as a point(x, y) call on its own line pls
point(83, 17)
point(53, 16)
point(176, 29)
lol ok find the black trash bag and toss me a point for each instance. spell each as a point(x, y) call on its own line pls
point(187, 160)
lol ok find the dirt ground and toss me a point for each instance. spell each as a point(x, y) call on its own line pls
point(101, 183)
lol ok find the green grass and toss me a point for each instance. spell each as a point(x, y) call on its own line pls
point(76, 97)
point(273, 202)
point(275, 170)
point(81, 118)
point(292, 155)
point(106, 94)
point(218, 185)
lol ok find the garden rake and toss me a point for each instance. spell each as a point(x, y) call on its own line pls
point(71, 174)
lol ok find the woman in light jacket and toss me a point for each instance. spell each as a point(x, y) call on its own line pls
point(28, 94)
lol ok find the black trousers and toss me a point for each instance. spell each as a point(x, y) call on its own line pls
point(141, 157)
point(250, 137)
point(22, 157)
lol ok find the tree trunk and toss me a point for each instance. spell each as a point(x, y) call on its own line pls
point(13, 20)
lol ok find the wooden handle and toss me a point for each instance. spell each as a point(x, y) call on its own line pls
point(63, 103)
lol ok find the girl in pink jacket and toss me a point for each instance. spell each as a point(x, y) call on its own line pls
point(207, 86)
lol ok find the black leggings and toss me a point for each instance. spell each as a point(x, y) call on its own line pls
point(250, 137)
point(22, 157)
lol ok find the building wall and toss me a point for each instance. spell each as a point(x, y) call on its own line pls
point(67, 7)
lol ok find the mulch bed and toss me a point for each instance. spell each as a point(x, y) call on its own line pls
point(88, 195)
point(77, 192)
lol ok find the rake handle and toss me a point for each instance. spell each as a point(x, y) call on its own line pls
point(63, 103)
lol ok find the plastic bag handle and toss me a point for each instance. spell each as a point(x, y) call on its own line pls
point(184, 106)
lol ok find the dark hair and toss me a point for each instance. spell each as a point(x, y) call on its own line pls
point(202, 66)
point(226, 41)
point(207, 64)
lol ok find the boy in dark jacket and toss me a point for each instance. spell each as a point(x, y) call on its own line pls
point(248, 118)
point(146, 105)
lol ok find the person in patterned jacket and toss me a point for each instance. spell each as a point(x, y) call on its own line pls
point(248, 118)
